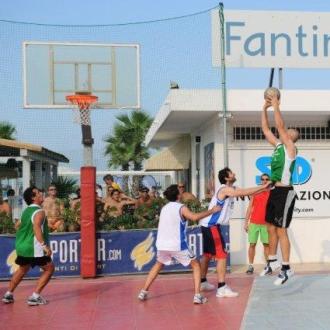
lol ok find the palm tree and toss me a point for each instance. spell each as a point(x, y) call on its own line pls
point(118, 152)
point(7, 130)
point(65, 186)
point(126, 146)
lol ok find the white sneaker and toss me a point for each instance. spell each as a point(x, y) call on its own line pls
point(206, 286)
point(143, 295)
point(283, 276)
point(199, 299)
point(35, 301)
point(270, 268)
point(226, 291)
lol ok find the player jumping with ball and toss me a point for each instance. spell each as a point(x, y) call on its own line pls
point(282, 197)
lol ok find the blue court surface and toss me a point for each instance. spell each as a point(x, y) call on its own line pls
point(302, 303)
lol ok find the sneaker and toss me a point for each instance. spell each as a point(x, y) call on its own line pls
point(250, 270)
point(143, 295)
point(206, 286)
point(32, 301)
point(199, 299)
point(8, 298)
point(270, 268)
point(226, 291)
point(283, 276)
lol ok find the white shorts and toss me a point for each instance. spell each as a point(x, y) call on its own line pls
point(184, 257)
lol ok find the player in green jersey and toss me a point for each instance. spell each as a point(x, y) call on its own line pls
point(282, 197)
point(32, 248)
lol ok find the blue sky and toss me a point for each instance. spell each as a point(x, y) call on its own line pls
point(178, 50)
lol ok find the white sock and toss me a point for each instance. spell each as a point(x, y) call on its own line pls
point(35, 295)
point(8, 292)
point(270, 258)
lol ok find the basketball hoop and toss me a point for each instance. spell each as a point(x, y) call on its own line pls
point(83, 101)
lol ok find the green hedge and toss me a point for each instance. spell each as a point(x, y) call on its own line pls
point(142, 217)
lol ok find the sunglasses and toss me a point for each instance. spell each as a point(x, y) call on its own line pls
point(180, 186)
point(265, 179)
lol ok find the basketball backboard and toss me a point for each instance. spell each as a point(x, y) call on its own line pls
point(53, 70)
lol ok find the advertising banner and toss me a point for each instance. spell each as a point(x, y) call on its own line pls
point(272, 39)
point(309, 178)
point(118, 252)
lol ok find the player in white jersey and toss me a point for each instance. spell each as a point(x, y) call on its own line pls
point(213, 243)
point(172, 243)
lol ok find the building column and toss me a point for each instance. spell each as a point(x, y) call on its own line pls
point(47, 175)
point(54, 172)
point(195, 165)
point(38, 174)
point(26, 173)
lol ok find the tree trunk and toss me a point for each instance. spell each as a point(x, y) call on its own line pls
point(136, 179)
point(125, 187)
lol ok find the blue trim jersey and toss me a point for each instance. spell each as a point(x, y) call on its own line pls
point(222, 217)
point(172, 227)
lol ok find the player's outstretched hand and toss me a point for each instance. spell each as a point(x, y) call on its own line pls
point(216, 208)
point(267, 103)
point(267, 185)
point(274, 101)
point(47, 251)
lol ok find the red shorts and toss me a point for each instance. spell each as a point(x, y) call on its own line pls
point(213, 242)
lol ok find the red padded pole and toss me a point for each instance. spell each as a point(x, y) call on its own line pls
point(87, 221)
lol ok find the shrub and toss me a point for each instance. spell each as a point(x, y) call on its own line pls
point(6, 224)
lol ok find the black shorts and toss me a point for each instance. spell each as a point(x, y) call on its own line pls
point(280, 206)
point(213, 242)
point(33, 261)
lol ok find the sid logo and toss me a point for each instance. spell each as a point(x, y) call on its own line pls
point(301, 174)
point(143, 252)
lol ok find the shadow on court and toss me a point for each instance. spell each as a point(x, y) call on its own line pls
point(302, 303)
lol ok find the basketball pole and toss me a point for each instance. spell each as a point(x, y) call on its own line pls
point(87, 142)
point(224, 114)
point(87, 186)
point(88, 200)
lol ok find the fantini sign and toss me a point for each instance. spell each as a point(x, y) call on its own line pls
point(273, 39)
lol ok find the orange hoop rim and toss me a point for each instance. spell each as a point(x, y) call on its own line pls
point(82, 100)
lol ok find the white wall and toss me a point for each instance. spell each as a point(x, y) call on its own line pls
point(310, 241)
point(310, 228)
point(209, 132)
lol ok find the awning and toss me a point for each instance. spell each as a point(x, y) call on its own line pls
point(7, 173)
point(12, 148)
point(174, 158)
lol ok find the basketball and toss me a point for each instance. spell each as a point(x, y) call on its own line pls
point(272, 91)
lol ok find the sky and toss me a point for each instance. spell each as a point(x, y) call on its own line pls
point(178, 50)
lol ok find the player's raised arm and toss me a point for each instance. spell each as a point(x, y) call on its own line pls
point(270, 137)
point(238, 192)
point(280, 125)
point(187, 214)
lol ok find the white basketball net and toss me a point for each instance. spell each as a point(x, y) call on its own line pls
point(82, 116)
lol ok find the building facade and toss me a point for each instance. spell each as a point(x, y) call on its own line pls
point(196, 114)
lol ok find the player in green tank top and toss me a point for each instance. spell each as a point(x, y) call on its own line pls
point(282, 166)
point(282, 197)
point(27, 244)
point(32, 248)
